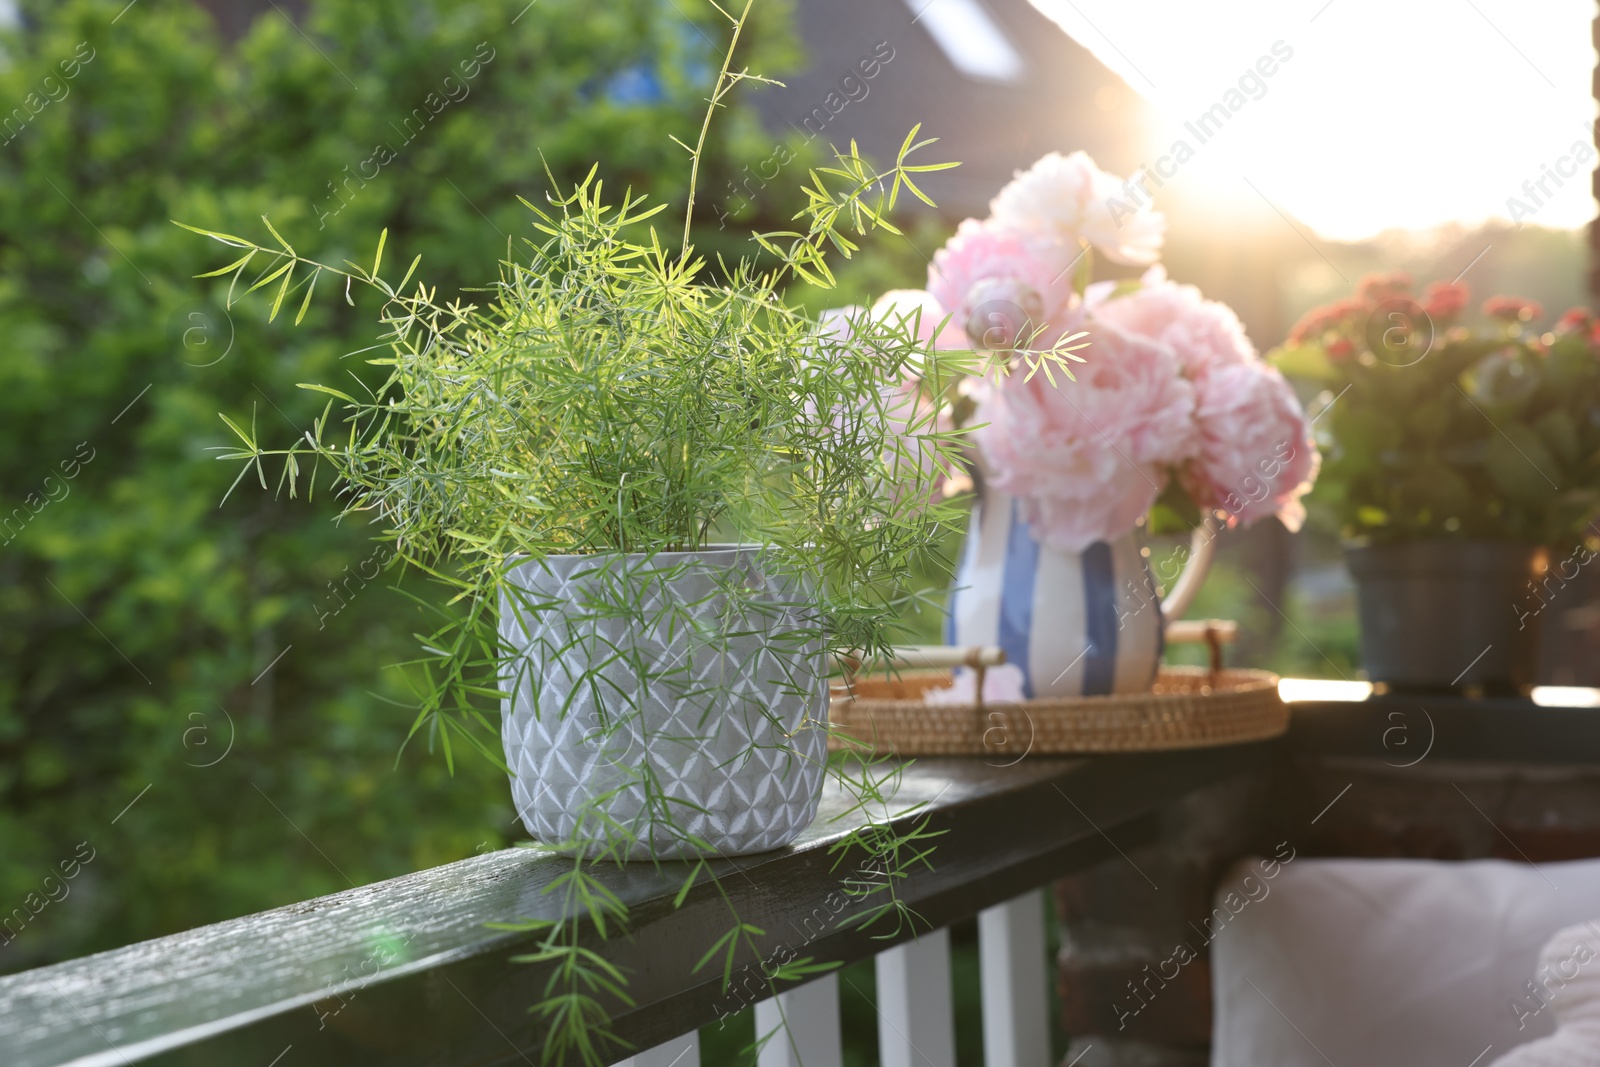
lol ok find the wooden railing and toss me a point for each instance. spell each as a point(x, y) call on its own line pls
point(408, 971)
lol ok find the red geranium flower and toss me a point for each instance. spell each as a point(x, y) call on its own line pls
point(1376, 288)
point(1446, 300)
point(1339, 349)
point(1511, 308)
point(1311, 323)
point(1574, 319)
point(1321, 319)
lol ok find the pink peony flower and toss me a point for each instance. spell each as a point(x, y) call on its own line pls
point(920, 309)
point(1120, 227)
point(1048, 199)
point(1086, 459)
point(1172, 383)
point(1203, 333)
point(1067, 199)
point(1000, 287)
point(1256, 454)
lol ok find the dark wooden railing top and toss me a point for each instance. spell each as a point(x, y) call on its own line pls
point(1402, 730)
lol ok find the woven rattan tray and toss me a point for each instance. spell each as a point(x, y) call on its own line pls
point(1190, 707)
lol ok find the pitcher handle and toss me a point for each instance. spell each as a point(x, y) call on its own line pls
point(1202, 547)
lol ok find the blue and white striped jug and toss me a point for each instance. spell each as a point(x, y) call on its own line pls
point(1075, 623)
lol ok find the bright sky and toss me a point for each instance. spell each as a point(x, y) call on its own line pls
point(1388, 113)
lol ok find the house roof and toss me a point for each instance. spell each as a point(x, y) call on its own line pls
point(996, 81)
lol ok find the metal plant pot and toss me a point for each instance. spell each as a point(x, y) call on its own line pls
point(1444, 615)
point(660, 701)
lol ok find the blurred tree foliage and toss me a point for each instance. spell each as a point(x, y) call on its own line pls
point(222, 668)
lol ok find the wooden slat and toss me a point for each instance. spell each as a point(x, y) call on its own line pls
point(918, 657)
point(408, 973)
point(916, 1019)
point(678, 1052)
point(1200, 631)
point(1015, 977)
point(804, 1024)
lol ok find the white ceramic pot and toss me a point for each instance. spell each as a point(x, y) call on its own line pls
point(660, 700)
point(1073, 623)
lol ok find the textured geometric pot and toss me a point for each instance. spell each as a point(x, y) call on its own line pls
point(662, 698)
point(1443, 615)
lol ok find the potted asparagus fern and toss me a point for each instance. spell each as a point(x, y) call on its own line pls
point(660, 502)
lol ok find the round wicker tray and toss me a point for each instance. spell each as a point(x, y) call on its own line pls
point(1189, 707)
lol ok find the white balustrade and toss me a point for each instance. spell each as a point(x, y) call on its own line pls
point(679, 1052)
point(1016, 983)
point(804, 1024)
point(916, 1020)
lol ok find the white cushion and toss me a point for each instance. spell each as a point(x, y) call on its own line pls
point(1567, 985)
point(1373, 963)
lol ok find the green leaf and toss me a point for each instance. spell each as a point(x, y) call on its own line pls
point(306, 303)
point(1305, 360)
point(1558, 431)
point(409, 272)
point(270, 278)
point(225, 238)
point(237, 264)
point(283, 290)
point(1520, 466)
point(248, 439)
point(317, 388)
point(287, 247)
point(724, 945)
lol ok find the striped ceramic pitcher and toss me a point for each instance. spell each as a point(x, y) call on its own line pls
point(1075, 623)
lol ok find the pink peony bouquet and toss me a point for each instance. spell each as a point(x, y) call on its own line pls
point(1171, 393)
